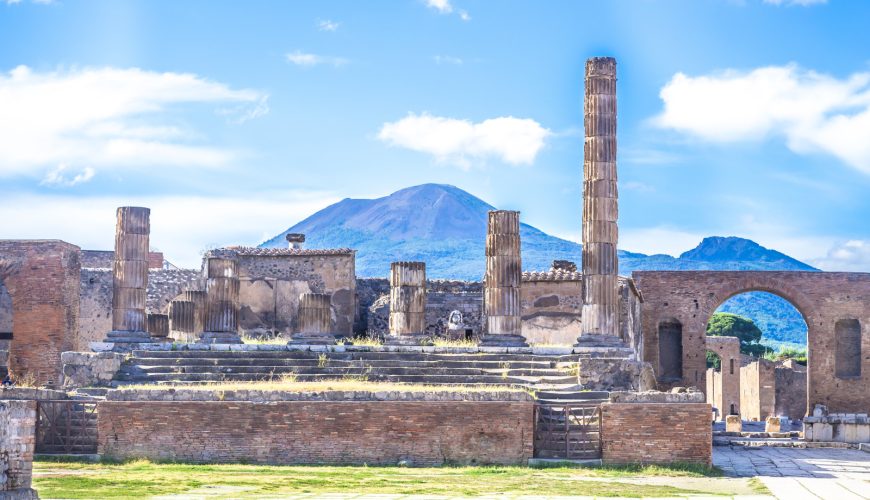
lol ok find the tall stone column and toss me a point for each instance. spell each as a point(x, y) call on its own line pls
point(407, 303)
point(501, 293)
point(314, 320)
point(222, 302)
point(130, 276)
point(600, 313)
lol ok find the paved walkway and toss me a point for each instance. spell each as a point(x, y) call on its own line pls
point(794, 473)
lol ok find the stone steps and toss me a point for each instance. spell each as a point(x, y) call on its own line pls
point(387, 363)
point(311, 377)
point(407, 356)
point(342, 370)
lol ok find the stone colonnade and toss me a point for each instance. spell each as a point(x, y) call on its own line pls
point(130, 276)
point(502, 280)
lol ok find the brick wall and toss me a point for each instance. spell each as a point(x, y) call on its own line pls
point(42, 277)
point(17, 441)
point(292, 432)
point(725, 395)
point(656, 433)
point(791, 390)
point(758, 390)
point(823, 298)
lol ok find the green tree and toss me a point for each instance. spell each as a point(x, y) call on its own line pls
point(734, 325)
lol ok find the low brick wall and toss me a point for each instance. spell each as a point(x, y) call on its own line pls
point(321, 432)
point(17, 440)
point(656, 433)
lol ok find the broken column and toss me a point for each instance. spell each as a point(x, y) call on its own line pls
point(158, 327)
point(200, 301)
point(222, 302)
point(407, 303)
point(314, 320)
point(501, 293)
point(600, 313)
point(182, 320)
point(130, 276)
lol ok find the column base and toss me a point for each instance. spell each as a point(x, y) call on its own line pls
point(123, 337)
point(503, 340)
point(312, 339)
point(219, 338)
point(598, 340)
point(414, 339)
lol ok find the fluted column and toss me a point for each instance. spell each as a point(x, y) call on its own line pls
point(158, 327)
point(182, 320)
point(222, 302)
point(314, 320)
point(600, 313)
point(407, 303)
point(501, 293)
point(130, 276)
point(200, 308)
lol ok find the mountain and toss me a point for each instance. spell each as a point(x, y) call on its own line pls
point(446, 227)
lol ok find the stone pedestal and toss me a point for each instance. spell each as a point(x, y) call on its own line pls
point(158, 327)
point(222, 302)
point(130, 276)
point(501, 293)
point(733, 423)
point(314, 320)
point(407, 303)
point(600, 314)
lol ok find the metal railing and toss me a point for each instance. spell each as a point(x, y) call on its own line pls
point(568, 431)
point(66, 427)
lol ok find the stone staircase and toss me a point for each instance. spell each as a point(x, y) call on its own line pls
point(174, 367)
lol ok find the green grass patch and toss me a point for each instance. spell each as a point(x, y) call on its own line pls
point(143, 479)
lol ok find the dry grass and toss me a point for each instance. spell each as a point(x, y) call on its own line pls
point(344, 384)
point(261, 341)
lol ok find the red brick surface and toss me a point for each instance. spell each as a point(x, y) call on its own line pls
point(296, 432)
point(42, 277)
point(822, 298)
point(656, 433)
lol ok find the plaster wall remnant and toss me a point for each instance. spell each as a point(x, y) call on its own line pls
point(725, 391)
point(315, 320)
point(130, 275)
point(222, 302)
point(823, 298)
point(407, 303)
point(599, 320)
point(502, 280)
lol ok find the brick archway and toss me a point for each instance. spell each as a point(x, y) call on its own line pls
point(822, 299)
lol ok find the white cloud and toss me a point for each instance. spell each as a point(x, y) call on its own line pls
point(852, 255)
point(512, 140)
point(106, 117)
point(300, 58)
point(42, 2)
point(180, 225)
point(447, 60)
point(812, 112)
point(59, 177)
point(328, 25)
point(442, 6)
point(803, 3)
point(464, 15)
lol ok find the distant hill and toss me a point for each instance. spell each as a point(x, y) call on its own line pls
point(446, 227)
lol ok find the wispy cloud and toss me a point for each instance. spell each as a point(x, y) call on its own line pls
point(802, 3)
point(59, 176)
point(300, 58)
point(327, 25)
point(445, 7)
point(447, 60)
point(512, 140)
point(646, 156)
point(639, 187)
point(108, 118)
point(180, 238)
point(812, 112)
point(41, 2)
point(852, 255)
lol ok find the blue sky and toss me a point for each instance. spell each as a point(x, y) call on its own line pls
point(234, 120)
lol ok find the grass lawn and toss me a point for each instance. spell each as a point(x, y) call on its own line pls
point(143, 479)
